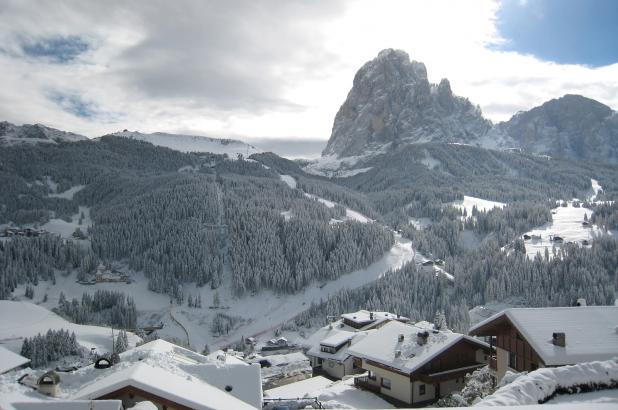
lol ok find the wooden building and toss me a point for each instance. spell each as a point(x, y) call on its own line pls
point(529, 338)
point(414, 365)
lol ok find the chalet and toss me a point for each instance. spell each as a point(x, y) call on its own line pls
point(412, 365)
point(174, 378)
point(529, 338)
point(166, 390)
point(328, 347)
point(10, 361)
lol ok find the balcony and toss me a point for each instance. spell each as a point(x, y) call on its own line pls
point(365, 383)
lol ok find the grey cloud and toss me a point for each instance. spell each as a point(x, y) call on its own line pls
point(227, 57)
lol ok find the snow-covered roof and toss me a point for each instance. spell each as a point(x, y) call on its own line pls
point(366, 316)
point(337, 338)
point(187, 391)
point(591, 331)
point(10, 360)
point(383, 345)
point(330, 336)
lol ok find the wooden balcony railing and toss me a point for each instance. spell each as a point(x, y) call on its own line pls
point(364, 382)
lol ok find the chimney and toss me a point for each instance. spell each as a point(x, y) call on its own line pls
point(400, 338)
point(559, 339)
point(581, 302)
point(397, 353)
point(421, 338)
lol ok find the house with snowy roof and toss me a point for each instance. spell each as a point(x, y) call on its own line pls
point(412, 365)
point(529, 338)
point(171, 377)
point(10, 361)
point(328, 347)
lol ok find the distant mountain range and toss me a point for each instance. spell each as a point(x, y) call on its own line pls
point(193, 143)
point(392, 103)
point(11, 134)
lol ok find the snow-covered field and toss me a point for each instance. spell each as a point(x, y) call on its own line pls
point(567, 224)
point(25, 319)
point(66, 229)
point(69, 193)
point(469, 202)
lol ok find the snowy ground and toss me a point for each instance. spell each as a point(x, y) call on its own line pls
point(24, 319)
point(66, 229)
point(469, 202)
point(69, 193)
point(567, 223)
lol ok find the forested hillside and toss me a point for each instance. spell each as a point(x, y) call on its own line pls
point(178, 218)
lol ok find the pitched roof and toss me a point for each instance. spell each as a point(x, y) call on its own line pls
point(10, 360)
point(366, 316)
point(187, 391)
point(591, 331)
point(68, 405)
point(383, 344)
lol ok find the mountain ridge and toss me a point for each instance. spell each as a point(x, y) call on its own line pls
point(391, 102)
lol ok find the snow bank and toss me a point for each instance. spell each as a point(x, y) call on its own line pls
point(540, 385)
point(289, 180)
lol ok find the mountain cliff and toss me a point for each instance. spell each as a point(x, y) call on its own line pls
point(392, 102)
point(572, 127)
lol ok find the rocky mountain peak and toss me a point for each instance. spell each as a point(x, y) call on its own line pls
point(392, 101)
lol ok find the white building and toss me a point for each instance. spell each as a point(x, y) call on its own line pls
point(328, 347)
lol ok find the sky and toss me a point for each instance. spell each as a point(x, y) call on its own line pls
point(277, 71)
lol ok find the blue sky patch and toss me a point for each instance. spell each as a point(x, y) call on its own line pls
point(60, 50)
point(76, 105)
point(563, 31)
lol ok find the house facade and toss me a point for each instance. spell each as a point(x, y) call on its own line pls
point(416, 366)
point(526, 339)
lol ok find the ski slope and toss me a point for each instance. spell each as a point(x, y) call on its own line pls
point(25, 319)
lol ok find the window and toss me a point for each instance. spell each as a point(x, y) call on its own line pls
point(386, 383)
point(421, 389)
point(371, 375)
point(512, 360)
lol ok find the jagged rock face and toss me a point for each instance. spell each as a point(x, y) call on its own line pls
point(392, 102)
point(568, 127)
point(37, 133)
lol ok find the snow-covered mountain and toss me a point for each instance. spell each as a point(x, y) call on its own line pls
point(11, 134)
point(393, 102)
point(568, 127)
point(193, 143)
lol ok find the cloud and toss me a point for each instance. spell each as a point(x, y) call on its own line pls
point(251, 69)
